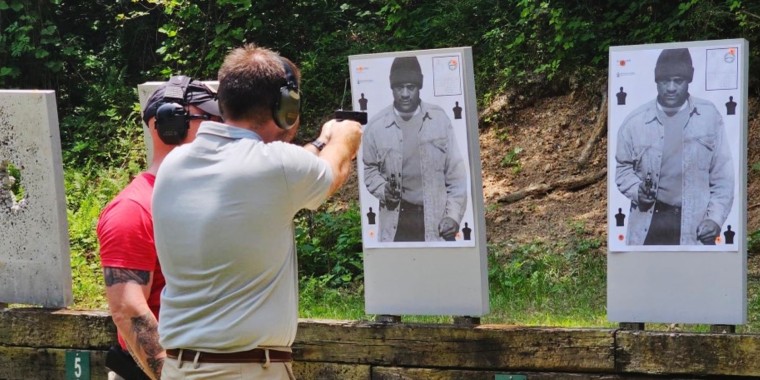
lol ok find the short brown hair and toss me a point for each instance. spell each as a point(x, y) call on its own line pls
point(249, 81)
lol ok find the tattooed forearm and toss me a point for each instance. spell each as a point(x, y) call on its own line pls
point(145, 328)
point(115, 276)
point(156, 364)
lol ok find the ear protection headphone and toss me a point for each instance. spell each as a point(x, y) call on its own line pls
point(172, 118)
point(287, 103)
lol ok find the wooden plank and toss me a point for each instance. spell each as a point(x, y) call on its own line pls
point(688, 353)
point(321, 371)
point(34, 341)
point(398, 373)
point(484, 346)
point(17, 363)
point(56, 328)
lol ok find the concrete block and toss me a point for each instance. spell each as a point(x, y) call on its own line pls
point(34, 248)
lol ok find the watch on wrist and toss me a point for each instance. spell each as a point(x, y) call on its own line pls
point(318, 144)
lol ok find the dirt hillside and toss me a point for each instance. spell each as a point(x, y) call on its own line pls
point(551, 136)
point(534, 146)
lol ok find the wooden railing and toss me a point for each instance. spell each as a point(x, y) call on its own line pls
point(36, 343)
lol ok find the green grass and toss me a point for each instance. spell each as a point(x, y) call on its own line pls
point(557, 283)
point(539, 283)
point(753, 307)
point(320, 301)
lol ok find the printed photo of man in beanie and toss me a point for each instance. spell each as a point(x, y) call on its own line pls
point(674, 162)
point(412, 164)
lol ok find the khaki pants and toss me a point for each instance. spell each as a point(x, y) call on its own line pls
point(173, 369)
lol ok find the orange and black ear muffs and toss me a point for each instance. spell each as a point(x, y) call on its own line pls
point(172, 117)
point(286, 107)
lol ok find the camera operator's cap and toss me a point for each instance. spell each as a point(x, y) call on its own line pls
point(406, 70)
point(674, 62)
point(195, 93)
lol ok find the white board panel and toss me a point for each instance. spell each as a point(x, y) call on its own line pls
point(425, 276)
point(691, 281)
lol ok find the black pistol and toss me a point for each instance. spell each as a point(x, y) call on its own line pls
point(394, 183)
point(357, 116)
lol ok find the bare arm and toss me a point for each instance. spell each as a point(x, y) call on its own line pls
point(127, 291)
point(343, 139)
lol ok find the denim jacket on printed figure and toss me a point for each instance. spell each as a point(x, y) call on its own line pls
point(708, 173)
point(443, 171)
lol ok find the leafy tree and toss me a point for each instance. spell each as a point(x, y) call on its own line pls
point(94, 53)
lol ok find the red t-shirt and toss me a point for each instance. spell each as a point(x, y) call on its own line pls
point(125, 232)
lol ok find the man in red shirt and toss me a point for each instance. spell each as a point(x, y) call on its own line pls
point(131, 269)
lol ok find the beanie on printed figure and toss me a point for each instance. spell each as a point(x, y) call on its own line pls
point(674, 62)
point(406, 70)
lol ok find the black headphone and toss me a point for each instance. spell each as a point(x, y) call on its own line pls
point(172, 116)
point(287, 103)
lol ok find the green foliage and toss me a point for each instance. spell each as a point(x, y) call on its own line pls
point(17, 188)
point(90, 52)
point(106, 129)
point(753, 306)
point(195, 36)
point(560, 279)
point(318, 298)
point(502, 134)
point(753, 242)
point(87, 192)
point(330, 247)
point(512, 160)
point(31, 47)
point(94, 53)
point(540, 41)
point(76, 49)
